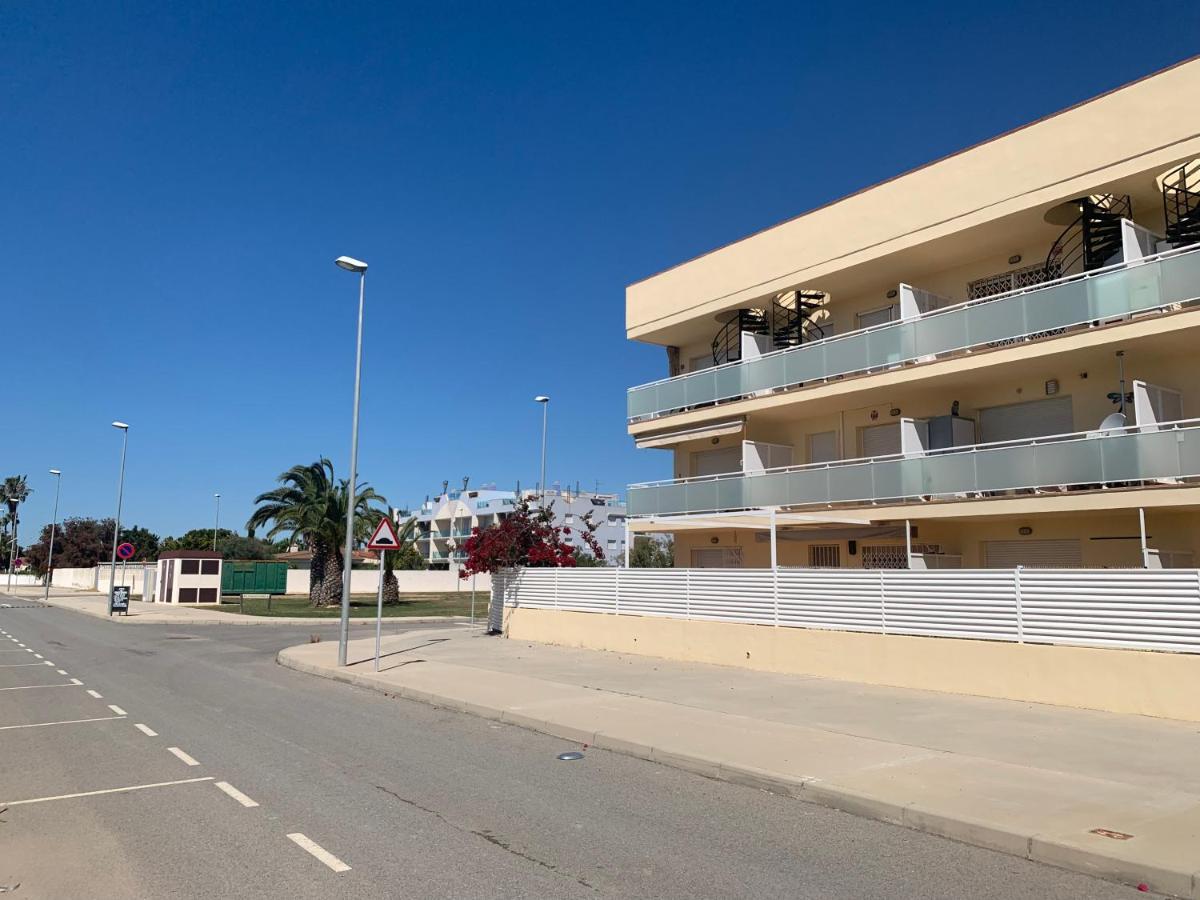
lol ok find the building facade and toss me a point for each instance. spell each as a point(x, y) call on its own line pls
point(445, 522)
point(987, 362)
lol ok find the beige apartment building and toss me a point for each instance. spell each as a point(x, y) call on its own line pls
point(988, 362)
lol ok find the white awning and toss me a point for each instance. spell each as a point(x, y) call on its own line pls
point(666, 438)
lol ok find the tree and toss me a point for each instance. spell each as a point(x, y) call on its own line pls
point(14, 492)
point(145, 543)
point(310, 505)
point(526, 537)
point(83, 542)
point(198, 539)
point(237, 547)
point(650, 553)
point(585, 560)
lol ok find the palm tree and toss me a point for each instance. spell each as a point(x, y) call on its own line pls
point(310, 507)
point(14, 492)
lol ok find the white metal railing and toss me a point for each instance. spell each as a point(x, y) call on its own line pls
point(1147, 609)
point(1075, 301)
point(1167, 450)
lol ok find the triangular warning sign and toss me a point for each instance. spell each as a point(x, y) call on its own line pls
point(384, 536)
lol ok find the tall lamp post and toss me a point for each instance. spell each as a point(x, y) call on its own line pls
point(352, 265)
point(53, 528)
point(216, 521)
point(545, 401)
point(112, 571)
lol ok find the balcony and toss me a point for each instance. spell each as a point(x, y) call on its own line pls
point(1076, 302)
point(1090, 460)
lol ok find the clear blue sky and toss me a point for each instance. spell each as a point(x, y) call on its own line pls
point(179, 177)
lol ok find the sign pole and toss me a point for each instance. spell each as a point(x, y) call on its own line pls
point(472, 599)
point(379, 610)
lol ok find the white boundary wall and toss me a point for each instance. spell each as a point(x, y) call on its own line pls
point(1138, 608)
point(362, 581)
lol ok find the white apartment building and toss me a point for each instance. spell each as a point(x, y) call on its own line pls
point(446, 521)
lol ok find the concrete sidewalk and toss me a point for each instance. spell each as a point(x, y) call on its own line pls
point(93, 603)
point(1109, 795)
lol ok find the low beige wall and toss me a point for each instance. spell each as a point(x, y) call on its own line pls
point(1123, 681)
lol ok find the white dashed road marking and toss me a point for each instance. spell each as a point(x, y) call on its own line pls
point(236, 794)
point(62, 671)
point(15, 665)
point(46, 662)
point(96, 694)
point(65, 722)
point(120, 790)
point(183, 756)
point(319, 852)
point(76, 681)
point(38, 656)
point(117, 710)
point(146, 730)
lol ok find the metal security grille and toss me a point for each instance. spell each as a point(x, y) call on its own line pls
point(1156, 609)
point(825, 556)
point(884, 556)
point(1012, 281)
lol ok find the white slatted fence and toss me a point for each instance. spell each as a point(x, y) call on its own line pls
point(1156, 609)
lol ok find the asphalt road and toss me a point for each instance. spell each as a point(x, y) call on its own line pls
point(416, 802)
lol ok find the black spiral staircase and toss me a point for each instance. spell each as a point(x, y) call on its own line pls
point(788, 323)
point(1181, 204)
point(727, 345)
point(1093, 238)
point(792, 318)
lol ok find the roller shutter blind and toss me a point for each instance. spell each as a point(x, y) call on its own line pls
point(1057, 554)
point(1035, 418)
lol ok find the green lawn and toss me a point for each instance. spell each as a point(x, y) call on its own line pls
point(363, 606)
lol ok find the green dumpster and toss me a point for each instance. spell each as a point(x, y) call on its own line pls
point(253, 577)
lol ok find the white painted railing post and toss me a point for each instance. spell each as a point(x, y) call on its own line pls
point(687, 593)
point(1020, 612)
point(617, 594)
point(556, 588)
point(882, 603)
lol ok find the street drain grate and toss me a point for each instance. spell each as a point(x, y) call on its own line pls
point(1108, 833)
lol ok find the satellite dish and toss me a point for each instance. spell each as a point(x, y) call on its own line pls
point(1113, 422)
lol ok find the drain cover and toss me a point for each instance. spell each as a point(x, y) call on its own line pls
point(570, 755)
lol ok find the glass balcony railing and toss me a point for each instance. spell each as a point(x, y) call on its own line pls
point(1148, 284)
point(1166, 454)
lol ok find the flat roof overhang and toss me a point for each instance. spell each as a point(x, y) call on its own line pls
point(1123, 139)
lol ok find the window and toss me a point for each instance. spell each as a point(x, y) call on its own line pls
point(210, 567)
point(569, 519)
point(187, 595)
point(208, 595)
point(825, 556)
point(189, 567)
point(717, 462)
point(879, 440)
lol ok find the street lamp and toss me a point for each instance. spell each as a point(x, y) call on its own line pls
point(53, 527)
point(352, 265)
point(216, 521)
point(545, 401)
point(112, 572)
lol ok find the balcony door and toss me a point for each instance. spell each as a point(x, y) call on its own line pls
point(717, 462)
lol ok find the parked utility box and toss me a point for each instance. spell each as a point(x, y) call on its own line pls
point(254, 577)
point(189, 576)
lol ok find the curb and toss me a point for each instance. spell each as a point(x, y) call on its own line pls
point(1034, 847)
point(238, 619)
